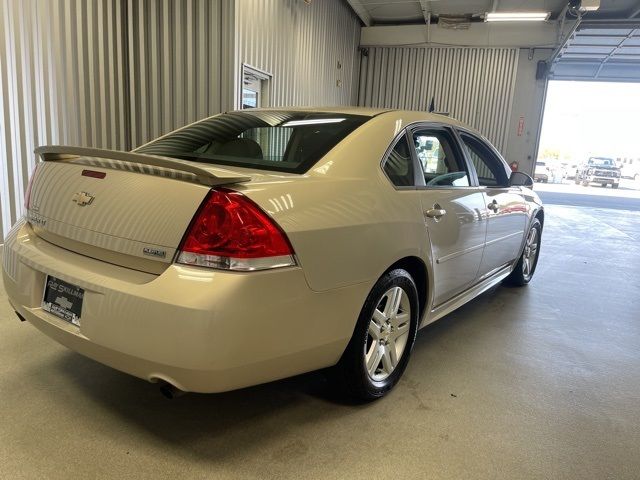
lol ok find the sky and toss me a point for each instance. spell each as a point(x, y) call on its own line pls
point(583, 119)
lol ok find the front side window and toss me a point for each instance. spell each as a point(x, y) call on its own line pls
point(490, 169)
point(285, 141)
point(440, 165)
point(399, 165)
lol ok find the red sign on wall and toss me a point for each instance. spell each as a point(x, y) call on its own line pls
point(520, 125)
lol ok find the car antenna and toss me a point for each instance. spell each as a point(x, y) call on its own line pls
point(432, 105)
point(432, 108)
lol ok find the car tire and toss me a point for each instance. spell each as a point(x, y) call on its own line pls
point(366, 370)
point(526, 266)
point(615, 185)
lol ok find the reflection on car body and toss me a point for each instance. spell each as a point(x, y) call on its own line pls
point(260, 244)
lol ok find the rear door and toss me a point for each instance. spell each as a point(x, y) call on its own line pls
point(505, 208)
point(452, 210)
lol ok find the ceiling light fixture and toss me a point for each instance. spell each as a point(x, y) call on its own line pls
point(516, 16)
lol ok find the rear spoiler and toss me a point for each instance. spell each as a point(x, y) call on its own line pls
point(204, 174)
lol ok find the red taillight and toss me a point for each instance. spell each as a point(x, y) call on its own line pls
point(27, 194)
point(231, 232)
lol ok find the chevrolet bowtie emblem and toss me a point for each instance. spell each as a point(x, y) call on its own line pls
point(82, 199)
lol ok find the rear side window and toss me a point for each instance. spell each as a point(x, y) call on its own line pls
point(284, 141)
point(398, 165)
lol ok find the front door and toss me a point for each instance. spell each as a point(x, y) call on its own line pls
point(506, 210)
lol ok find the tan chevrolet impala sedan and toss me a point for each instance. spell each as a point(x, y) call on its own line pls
point(260, 244)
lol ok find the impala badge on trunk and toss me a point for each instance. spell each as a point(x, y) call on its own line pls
point(154, 252)
point(82, 198)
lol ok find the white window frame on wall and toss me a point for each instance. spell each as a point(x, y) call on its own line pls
point(266, 84)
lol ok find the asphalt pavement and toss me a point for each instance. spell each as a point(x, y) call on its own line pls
point(627, 197)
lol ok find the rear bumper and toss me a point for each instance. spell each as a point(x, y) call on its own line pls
point(201, 330)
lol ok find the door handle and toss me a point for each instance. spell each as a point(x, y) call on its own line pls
point(436, 212)
point(493, 206)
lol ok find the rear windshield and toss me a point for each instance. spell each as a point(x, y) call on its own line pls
point(283, 141)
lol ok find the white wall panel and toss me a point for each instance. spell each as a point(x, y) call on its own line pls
point(300, 45)
point(61, 82)
point(174, 64)
point(116, 73)
point(475, 85)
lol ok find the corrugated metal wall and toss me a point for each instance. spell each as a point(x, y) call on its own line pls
point(108, 74)
point(174, 64)
point(475, 85)
point(56, 58)
point(117, 73)
point(300, 45)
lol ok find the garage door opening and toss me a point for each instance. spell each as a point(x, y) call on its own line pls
point(589, 146)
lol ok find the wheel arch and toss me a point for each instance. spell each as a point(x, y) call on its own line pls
point(540, 216)
point(416, 267)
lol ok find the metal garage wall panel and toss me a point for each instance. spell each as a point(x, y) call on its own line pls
point(475, 85)
point(174, 64)
point(300, 45)
point(61, 81)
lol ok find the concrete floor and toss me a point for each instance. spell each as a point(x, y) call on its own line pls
point(538, 382)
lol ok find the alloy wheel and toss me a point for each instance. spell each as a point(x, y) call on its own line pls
point(530, 253)
point(388, 334)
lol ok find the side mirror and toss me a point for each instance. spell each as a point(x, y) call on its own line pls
point(520, 179)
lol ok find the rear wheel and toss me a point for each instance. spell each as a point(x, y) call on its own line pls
point(526, 266)
point(381, 344)
point(614, 185)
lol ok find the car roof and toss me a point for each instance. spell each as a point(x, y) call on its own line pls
point(409, 116)
point(367, 112)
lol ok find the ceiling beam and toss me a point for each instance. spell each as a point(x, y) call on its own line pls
point(479, 34)
point(360, 11)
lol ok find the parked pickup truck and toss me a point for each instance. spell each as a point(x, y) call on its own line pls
point(598, 170)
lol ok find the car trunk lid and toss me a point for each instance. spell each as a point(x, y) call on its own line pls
point(125, 208)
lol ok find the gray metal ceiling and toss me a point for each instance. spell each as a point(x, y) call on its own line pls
point(602, 51)
point(398, 12)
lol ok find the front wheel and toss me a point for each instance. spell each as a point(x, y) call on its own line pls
point(381, 344)
point(526, 266)
point(615, 185)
